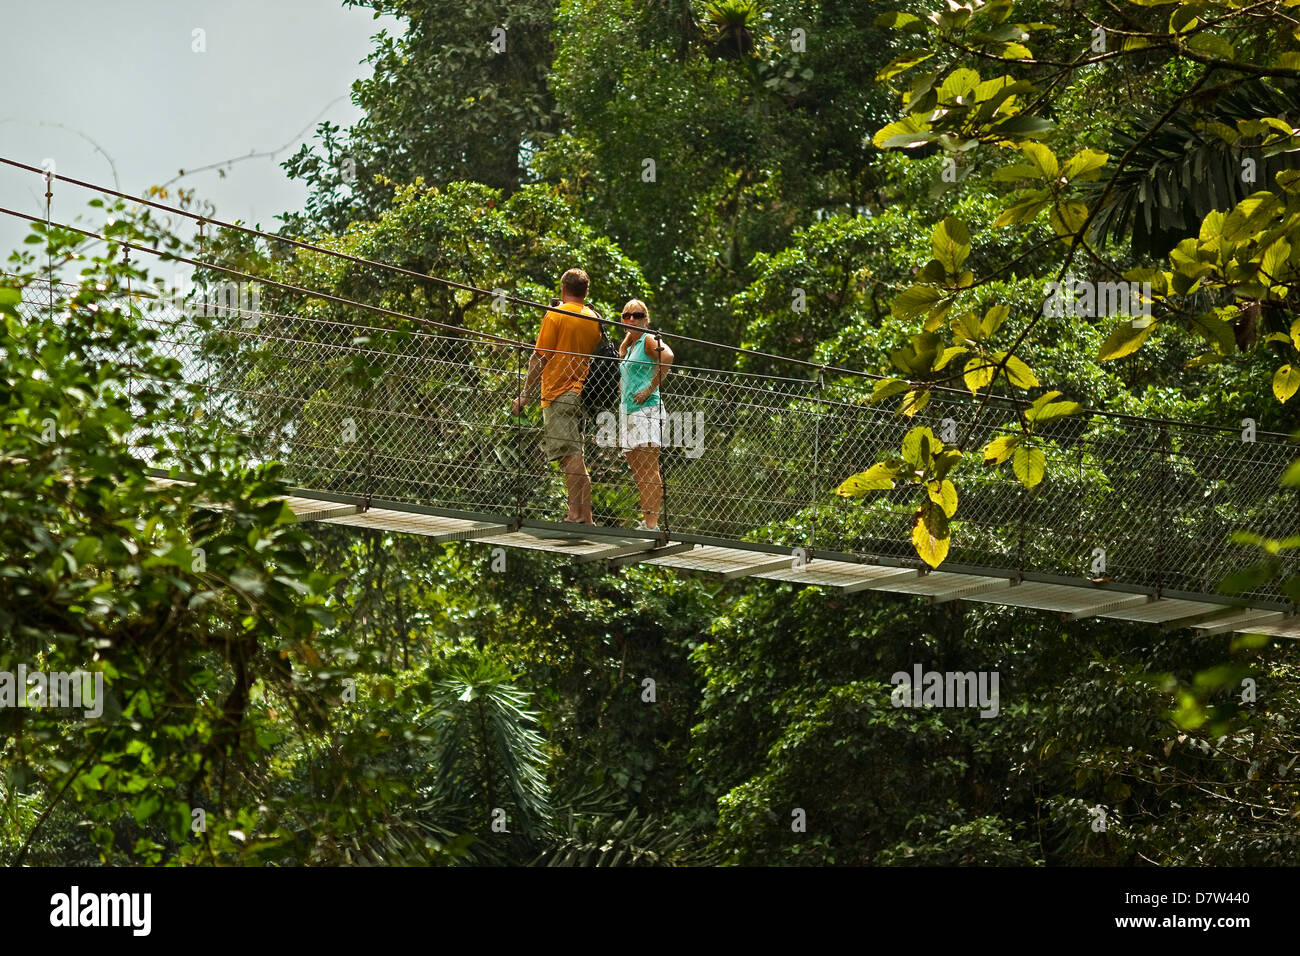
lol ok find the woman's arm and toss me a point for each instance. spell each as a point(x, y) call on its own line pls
point(625, 344)
point(659, 349)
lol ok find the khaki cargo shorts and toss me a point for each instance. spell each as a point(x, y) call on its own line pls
point(563, 421)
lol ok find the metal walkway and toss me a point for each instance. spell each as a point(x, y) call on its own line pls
point(405, 431)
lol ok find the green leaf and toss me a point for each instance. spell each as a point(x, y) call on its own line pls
point(967, 327)
point(1016, 172)
point(1029, 464)
point(993, 319)
point(930, 534)
point(1045, 409)
point(1291, 478)
point(914, 300)
point(1042, 158)
point(879, 477)
point(906, 133)
point(959, 83)
point(919, 446)
point(1286, 381)
point(1215, 331)
point(948, 355)
point(1021, 125)
point(904, 63)
point(1018, 373)
point(1067, 219)
point(1083, 163)
point(1124, 340)
point(1000, 449)
point(1212, 45)
point(979, 373)
point(887, 388)
point(1025, 210)
point(1271, 266)
point(951, 242)
point(896, 19)
point(914, 401)
point(937, 315)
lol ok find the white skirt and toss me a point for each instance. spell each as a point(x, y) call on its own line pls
point(643, 427)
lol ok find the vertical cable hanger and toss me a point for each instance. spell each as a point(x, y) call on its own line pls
point(663, 457)
point(49, 252)
point(817, 452)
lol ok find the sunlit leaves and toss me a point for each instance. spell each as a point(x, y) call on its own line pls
point(951, 242)
point(1001, 449)
point(944, 494)
point(1018, 373)
point(1046, 409)
point(1125, 339)
point(930, 534)
point(914, 300)
point(919, 446)
point(1286, 381)
point(978, 373)
point(1031, 203)
point(1084, 165)
point(925, 463)
point(914, 401)
point(1029, 465)
point(879, 477)
point(1042, 159)
point(907, 133)
point(993, 320)
point(902, 64)
point(887, 388)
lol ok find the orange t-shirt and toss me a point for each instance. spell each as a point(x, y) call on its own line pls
point(564, 332)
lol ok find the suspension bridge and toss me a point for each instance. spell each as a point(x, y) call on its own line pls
point(403, 428)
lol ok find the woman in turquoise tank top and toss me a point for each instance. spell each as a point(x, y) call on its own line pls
point(645, 362)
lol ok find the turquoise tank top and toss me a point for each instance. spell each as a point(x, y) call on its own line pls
point(635, 372)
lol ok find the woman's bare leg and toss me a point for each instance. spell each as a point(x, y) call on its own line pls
point(644, 462)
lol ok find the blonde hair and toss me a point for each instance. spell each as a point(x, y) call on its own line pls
point(639, 304)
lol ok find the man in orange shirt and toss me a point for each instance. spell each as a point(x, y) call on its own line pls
point(561, 359)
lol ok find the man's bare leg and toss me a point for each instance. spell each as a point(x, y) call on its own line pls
point(578, 483)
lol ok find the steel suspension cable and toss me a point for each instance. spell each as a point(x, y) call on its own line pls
point(463, 330)
point(411, 273)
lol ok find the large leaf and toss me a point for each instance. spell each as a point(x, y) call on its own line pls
point(887, 388)
point(944, 494)
point(1286, 381)
point(1019, 373)
point(879, 477)
point(930, 534)
point(978, 373)
point(1124, 340)
point(951, 241)
point(1000, 449)
point(1029, 464)
point(1045, 410)
point(919, 446)
point(914, 300)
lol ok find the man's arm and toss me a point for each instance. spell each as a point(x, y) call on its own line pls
point(541, 355)
point(535, 365)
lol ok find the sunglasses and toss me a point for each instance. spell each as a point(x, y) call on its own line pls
point(634, 315)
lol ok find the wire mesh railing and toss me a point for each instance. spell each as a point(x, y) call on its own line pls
point(354, 407)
